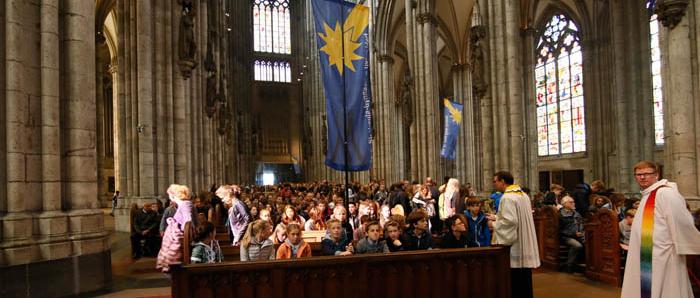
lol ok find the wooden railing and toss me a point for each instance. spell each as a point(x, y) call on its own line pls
point(471, 272)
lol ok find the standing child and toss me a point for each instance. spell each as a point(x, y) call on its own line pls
point(171, 248)
point(238, 217)
point(294, 247)
point(206, 249)
point(478, 223)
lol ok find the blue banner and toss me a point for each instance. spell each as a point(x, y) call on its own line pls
point(342, 38)
point(453, 120)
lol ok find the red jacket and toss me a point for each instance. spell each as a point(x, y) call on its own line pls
point(285, 251)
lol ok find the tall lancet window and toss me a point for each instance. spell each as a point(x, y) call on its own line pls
point(561, 125)
point(657, 94)
point(272, 41)
point(271, 26)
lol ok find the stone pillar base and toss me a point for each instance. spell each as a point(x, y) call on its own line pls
point(16, 227)
point(57, 278)
point(15, 235)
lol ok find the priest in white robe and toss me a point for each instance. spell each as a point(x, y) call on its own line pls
point(656, 264)
point(514, 227)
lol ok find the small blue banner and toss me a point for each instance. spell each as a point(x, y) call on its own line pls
point(453, 120)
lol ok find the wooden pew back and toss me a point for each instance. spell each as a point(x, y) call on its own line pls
point(603, 247)
point(186, 241)
point(313, 236)
point(547, 229)
point(483, 272)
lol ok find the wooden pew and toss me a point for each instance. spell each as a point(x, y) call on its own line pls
point(472, 272)
point(313, 236)
point(547, 229)
point(603, 248)
point(186, 242)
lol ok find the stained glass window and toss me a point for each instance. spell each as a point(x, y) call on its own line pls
point(657, 94)
point(271, 26)
point(561, 125)
point(272, 71)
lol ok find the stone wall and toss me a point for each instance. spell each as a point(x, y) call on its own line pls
point(48, 206)
point(51, 225)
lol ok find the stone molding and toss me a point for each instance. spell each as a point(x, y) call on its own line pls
point(670, 12)
point(426, 18)
point(385, 58)
point(461, 66)
point(528, 31)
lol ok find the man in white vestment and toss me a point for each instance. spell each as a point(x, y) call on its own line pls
point(513, 226)
point(673, 236)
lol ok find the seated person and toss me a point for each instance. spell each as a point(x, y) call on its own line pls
point(335, 243)
point(392, 235)
point(456, 235)
point(360, 233)
point(599, 202)
point(294, 246)
point(479, 230)
point(626, 228)
point(571, 230)
point(417, 236)
point(280, 233)
point(315, 222)
point(206, 249)
point(372, 243)
point(341, 214)
point(256, 245)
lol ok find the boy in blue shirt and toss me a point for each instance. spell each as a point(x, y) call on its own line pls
point(479, 229)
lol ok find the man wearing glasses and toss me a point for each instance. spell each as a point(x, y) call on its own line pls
point(513, 226)
point(663, 232)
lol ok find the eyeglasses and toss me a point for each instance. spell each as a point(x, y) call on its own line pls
point(640, 175)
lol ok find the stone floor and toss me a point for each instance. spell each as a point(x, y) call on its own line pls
point(140, 279)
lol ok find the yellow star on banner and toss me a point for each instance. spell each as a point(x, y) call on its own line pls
point(456, 114)
point(335, 38)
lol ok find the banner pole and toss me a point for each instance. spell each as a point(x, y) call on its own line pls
point(346, 189)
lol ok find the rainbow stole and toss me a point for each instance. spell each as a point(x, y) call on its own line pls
point(647, 245)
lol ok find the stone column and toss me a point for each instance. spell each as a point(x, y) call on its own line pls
point(411, 49)
point(466, 169)
point(384, 120)
point(426, 115)
point(515, 98)
point(17, 223)
point(145, 97)
point(53, 223)
point(678, 44)
point(530, 172)
point(86, 221)
point(179, 105)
